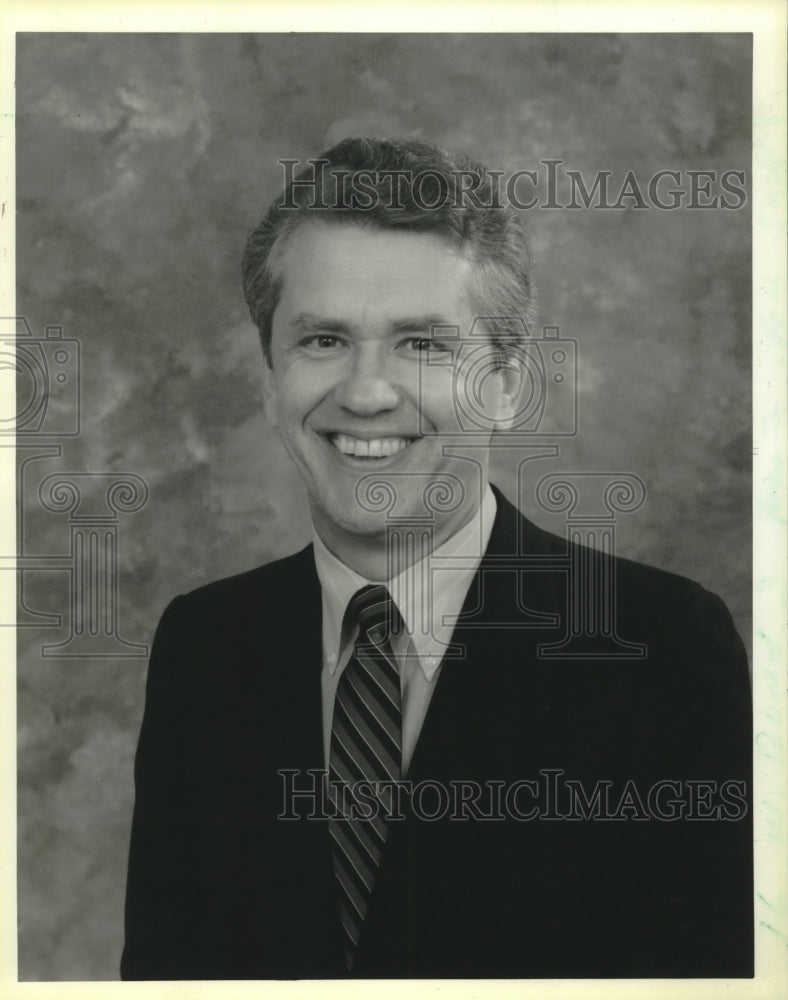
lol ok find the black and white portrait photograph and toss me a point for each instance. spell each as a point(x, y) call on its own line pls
point(393, 439)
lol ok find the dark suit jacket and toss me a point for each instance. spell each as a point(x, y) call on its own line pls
point(218, 887)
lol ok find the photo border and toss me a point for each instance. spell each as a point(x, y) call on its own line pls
point(766, 19)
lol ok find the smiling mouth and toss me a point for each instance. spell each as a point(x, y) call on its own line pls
point(373, 448)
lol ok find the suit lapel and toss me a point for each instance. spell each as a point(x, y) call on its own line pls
point(491, 694)
point(294, 650)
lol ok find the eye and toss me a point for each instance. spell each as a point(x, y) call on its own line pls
point(320, 343)
point(426, 345)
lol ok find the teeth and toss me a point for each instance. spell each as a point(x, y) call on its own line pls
point(376, 448)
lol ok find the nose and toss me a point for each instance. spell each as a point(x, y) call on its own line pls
point(368, 388)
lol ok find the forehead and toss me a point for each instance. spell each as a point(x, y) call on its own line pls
point(360, 273)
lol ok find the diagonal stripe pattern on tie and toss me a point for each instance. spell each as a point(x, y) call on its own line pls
point(366, 745)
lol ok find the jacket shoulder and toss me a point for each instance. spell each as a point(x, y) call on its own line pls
point(629, 573)
point(537, 541)
point(270, 577)
point(272, 590)
point(647, 599)
point(672, 614)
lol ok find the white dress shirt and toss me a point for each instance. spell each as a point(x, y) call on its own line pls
point(429, 623)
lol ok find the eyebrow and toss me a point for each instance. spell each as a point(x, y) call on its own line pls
point(309, 322)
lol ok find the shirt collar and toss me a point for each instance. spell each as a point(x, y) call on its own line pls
point(429, 623)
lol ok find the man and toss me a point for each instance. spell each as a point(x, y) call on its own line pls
point(492, 803)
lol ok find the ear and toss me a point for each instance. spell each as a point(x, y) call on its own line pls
point(511, 383)
point(270, 395)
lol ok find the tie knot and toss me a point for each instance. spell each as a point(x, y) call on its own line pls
point(376, 613)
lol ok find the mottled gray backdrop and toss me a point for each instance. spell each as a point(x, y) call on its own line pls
point(142, 161)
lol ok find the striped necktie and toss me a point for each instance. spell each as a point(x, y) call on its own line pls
point(366, 745)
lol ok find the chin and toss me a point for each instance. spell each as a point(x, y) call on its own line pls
point(370, 527)
point(350, 521)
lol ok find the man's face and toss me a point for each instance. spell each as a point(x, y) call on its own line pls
point(360, 386)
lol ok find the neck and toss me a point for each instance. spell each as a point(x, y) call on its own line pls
point(370, 555)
